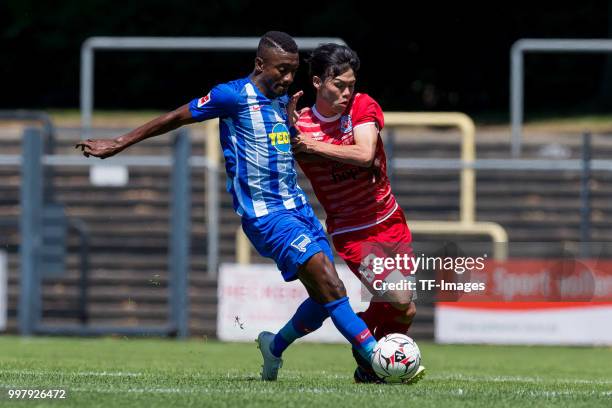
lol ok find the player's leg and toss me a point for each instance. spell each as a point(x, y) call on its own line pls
point(308, 317)
point(394, 309)
point(356, 251)
point(321, 280)
point(394, 315)
point(401, 309)
point(350, 251)
point(388, 315)
point(270, 236)
point(327, 298)
point(382, 318)
point(390, 311)
point(301, 250)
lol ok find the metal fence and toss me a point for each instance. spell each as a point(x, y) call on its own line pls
point(35, 250)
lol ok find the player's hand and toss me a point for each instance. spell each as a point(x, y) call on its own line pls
point(101, 148)
point(292, 113)
point(302, 143)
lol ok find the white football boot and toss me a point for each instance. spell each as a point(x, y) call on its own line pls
point(271, 363)
point(418, 376)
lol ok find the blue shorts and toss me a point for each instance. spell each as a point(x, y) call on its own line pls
point(290, 237)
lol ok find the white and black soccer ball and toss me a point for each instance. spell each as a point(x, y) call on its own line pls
point(396, 358)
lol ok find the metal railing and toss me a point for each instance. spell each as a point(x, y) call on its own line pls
point(92, 44)
point(210, 163)
point(517, 72)
point(467, 224)
point(32, 202)
point(49, 132)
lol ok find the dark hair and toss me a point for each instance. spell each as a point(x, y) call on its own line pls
point(277, 39)
point(331, 60)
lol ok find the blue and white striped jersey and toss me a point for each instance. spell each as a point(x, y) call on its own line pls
point(260, 168)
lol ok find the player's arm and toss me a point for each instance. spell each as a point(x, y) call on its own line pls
point(359, 154)
point(104, 148)
point(219, 102)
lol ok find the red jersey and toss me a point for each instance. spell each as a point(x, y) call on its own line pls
point(353, 197)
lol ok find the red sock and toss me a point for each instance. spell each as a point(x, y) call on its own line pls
point(380, 317)
point(391, 327)
point(373, 315)
point(386, 317)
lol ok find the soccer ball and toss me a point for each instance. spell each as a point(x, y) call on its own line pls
point(396, 358)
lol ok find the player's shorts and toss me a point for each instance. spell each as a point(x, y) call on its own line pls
point(290, 237)
point(387, 239)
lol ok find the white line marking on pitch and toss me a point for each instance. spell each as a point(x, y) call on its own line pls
point(472, 378)
point(496, 378)
point(458, 392)
point(289, 374)
point(75, 373)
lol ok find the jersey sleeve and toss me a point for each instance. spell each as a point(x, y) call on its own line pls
point(367, 110)
point(219, 102)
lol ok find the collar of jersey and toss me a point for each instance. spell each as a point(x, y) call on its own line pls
point(258, 91)
point(324, 118)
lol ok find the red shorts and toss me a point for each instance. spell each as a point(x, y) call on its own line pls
point(390, 239)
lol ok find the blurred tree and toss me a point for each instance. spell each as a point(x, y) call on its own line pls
point(428, 55)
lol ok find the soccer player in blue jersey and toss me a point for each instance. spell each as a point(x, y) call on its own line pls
point(262, 179)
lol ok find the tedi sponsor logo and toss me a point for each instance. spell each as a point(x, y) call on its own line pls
point(280, 138)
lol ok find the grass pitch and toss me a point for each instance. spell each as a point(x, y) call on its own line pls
point(118, 372)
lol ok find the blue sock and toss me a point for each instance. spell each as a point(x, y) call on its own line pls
point(351, 327)
point(308, 317)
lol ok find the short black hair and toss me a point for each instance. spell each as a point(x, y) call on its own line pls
point(331, 60)
point(277, 39)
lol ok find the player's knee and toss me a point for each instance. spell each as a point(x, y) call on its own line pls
point(330, 290)
point(402, 302)
point(336, 290)
point(400, 299)
point(323, 279)
point(411, 312)
point(332, 287)
point(406, 316)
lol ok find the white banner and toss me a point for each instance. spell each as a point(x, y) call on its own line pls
point(253, 298)
point(533, 301)
point(568, 324)
point(3, 291)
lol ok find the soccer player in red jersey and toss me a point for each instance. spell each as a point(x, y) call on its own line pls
point(339, 148)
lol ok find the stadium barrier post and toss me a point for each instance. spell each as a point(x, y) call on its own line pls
point(180, 234)
point(213, 147)
point(585, 196)
point(467, 198)
point(30, 230)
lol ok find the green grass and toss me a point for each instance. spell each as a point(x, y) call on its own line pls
point(120, 372)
